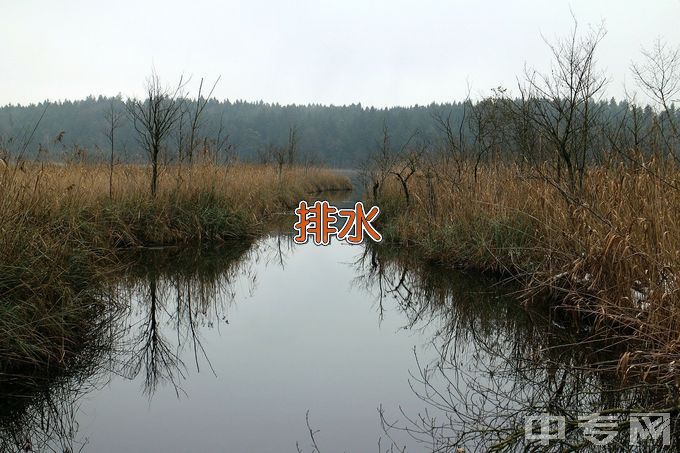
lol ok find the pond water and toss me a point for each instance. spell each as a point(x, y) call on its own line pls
point(275, 347)
point(283, 334)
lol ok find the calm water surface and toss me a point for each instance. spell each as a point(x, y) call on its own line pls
point(239, 348)
point(285, 334)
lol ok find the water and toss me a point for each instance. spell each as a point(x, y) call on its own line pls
point(240, 348)
point(300, 336)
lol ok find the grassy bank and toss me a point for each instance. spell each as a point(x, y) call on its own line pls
point(608, 253)
point(200, 203)
point(61, 226)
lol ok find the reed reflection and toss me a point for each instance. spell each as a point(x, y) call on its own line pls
point(148, 325)
point(173, 298)
point(497, 364)
point(39, 404)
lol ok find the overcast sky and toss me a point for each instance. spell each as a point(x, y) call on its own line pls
point(392, 52)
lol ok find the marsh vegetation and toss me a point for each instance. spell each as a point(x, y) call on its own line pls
point(63, 228)
point(431, 359)
point(531, 243)
point(577, 205)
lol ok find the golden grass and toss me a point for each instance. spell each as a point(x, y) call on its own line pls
point(241, 183)
point(60, 228)
point(610, 253)
point(189, 201)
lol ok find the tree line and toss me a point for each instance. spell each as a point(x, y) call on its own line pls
point(338, 136)
point(557, 119)
point(341, 136)
point(555, 127)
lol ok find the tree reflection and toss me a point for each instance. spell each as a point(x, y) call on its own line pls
point(498, 364)
point(38, 405)
point(172, 297)
point(151, 322)
point(151, 351)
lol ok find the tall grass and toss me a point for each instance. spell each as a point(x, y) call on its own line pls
point(610, 253)
point(60, 230)
point(205, 202)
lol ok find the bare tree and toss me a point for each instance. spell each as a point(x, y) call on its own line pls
point(377, 168)
point(407, 164)
point(293, 140)
point(114, 120)
point(223, 145)
point(278, 154)
point(659, 77)
point(196, 115)
point(154, 118)
point(455, 142)
point(562, 104)
point(386, 162)
point(180, 138)
point(488, 129)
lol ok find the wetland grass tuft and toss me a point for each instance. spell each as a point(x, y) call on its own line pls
point(61, 229)
point(608, 254)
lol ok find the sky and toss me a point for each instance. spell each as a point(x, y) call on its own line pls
point(373, 52)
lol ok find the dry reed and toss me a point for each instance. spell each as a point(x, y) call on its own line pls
point(61, 225)
point(610, 254)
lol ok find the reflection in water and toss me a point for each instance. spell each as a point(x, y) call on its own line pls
point(38, 407)
point(498, 364)
point(486, 364)
point(165, 293)
point(172, 297)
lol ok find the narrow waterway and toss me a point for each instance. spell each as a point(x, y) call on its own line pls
point(274, 347)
